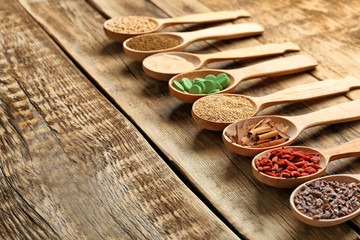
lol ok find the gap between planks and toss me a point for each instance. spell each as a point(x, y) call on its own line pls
point(168, 162)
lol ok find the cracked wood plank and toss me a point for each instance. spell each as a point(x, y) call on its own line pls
point(72, 166)
point(224, 178)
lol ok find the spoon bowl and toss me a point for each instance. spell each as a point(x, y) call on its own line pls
point(163, 66)
point(349, 149)
point(216, 125)
point(188, 97)
point(121, 36)
point(139, 55)
point(281, 182)
point(159, 67)
point(345, 178)
point(339, 113)
point(186, 38)
point(293, 132)
point(293, 94)
point(160, 23)
point(270, 68)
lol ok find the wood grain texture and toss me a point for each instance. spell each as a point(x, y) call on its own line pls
point(254, 209)
point(328, 30)
point(72, 166)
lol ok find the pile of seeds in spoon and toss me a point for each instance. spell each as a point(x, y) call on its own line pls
point(131, 24)
point(328, 199)
point(223, 108)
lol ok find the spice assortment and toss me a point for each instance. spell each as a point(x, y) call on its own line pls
point(265, 133)
point(152, 42)
point(131, 24)
point(319, 199)
point(287, 163)
point(209, 84)
point(328, 199)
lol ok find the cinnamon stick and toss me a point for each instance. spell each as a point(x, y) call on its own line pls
point(271, 143)
point(266, 135)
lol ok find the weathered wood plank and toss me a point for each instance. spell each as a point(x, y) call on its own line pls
point(327, 30)
point(72, 166)
point(224, 178)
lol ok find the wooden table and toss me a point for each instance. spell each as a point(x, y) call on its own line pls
point(92, 148)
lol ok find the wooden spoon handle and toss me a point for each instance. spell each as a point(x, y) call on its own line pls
point(345, 112)
point(357, 176)
point(277, 67)
point(308, 91)
point(223, 32)
point(250, 52)
point(206, 17)
point(349, 149)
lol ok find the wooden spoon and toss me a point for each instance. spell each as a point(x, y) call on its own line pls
point(344, 178)
point(164, 22)
point(345, 112)
point(349, 149)
point(161, 70)
point(185, 38)
point(270, 68)
point(293, 94)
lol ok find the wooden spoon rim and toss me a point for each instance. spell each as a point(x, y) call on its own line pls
point(179, 54)
point(315, 222)
point(323, 160)
point(208, 71)
point(177, 47)
point(132, 34)
point(227, 94)
point(259, 150)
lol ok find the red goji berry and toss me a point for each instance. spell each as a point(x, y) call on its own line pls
point(286, 162)
point(285, 174)
point(285, 170)
point(300, 164)
point(270, 174)
point(310, 170)
point(267, 168)
point(281, 163)
point(291, 168)
point(316, 166)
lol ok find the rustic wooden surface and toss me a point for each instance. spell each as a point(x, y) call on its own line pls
point(69, 172)
point(72, 166)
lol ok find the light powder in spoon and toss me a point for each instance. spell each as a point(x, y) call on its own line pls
point(168, 63)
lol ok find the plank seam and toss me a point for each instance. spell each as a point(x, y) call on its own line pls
point(167, 161)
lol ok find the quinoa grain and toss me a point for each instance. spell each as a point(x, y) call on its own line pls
point(131, 24)
point(222, 108)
